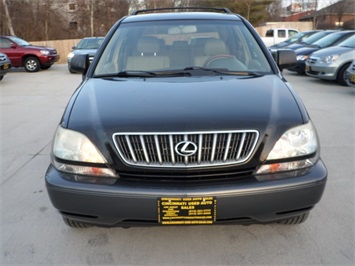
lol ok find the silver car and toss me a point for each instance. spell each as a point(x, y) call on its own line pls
point(331, 63)
point(5, 65)
point(350, 74)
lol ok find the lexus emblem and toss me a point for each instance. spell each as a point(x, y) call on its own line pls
point(186, 148)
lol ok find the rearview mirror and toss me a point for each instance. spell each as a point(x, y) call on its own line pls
point(284, 58)
point(80, 63)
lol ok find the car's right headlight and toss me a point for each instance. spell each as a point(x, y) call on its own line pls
point(296, 149)
point(75, 153)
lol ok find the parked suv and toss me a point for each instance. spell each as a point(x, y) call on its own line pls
point(184, 118)
point(88, 45)
point(23, 54)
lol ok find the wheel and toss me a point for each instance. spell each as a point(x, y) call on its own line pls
point(341, 78)
point(75, 224)
point(296, 219)
point(31, 64)
point(1, 77)
point(71, 71)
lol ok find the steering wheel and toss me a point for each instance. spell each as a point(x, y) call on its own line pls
point(216, 57)
point(225, 61)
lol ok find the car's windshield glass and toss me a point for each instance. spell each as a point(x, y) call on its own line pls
point(349, 42)
point(90, 43)
point(19, 41)
point(296, 37)
point(315, 37)
point(188, 45)
point(328, 40)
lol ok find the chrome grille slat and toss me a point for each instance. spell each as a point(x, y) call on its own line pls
point(213, 148)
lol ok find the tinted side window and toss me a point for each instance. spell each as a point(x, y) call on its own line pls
point(4, 43)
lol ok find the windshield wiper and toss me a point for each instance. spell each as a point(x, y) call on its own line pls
point(143, 74)
point(224, 71)
point(189, 71)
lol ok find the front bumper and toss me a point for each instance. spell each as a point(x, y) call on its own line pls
point(136, 204)
point(350, 78)
point(4, 68)
point(328, 72)
point(299, 68)
point(50, 59)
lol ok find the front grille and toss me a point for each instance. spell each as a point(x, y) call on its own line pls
point(312, 60)
point(186, 149)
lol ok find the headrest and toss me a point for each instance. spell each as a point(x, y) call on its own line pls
point(148, 45)
point(214, 47)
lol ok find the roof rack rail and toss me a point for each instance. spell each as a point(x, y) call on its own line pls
point(225, 10)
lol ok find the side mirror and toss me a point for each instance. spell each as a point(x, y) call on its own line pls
point(284, 58)
point(13, 46)
point(80, 63)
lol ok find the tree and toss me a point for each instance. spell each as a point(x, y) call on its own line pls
point(96, 17)
point(275, 10)
point(253, 10)
point(7, 18)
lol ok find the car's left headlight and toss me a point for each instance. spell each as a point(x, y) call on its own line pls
point(75, 153)
point(296, 149)
point(70, 55)
point(329, 59)
point(302, 57)
point(45, 52)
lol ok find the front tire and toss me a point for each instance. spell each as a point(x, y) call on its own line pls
point(32, 64)
point(342, 75)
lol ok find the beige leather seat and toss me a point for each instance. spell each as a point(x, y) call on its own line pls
point(212, 47)
point(148, 57)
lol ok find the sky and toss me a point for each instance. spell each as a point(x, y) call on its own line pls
point(321, 3)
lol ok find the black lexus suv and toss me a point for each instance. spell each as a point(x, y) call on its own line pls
point(184, 118)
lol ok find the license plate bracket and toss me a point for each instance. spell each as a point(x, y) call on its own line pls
point(187, 210)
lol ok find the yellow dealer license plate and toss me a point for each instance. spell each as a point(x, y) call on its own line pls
point(308, 68)
point(187, 210)
point(6, 66)
point(352, 78)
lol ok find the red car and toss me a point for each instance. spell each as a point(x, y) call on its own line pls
point(23, 54)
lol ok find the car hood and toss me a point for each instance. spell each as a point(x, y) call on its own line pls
point(306, 50)
point(107, 106)
point(295, 46)
point(333, 50)
point(36, 47)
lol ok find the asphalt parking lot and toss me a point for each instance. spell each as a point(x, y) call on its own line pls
point(33, 233)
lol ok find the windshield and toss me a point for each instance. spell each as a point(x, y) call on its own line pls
point(90, 43)
point(181, 45)
point(328, 40)
point(19, 41)
point(349, 42)
point(295, 37)
point(317, 36)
